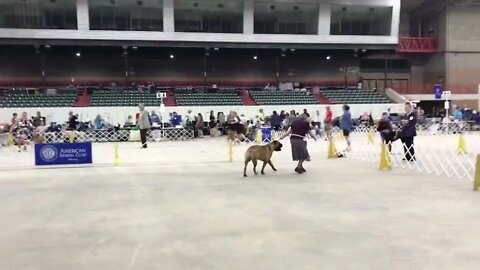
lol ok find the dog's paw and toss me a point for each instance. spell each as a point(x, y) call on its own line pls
point(244, 175)
point(274, 170)
point(263, 172)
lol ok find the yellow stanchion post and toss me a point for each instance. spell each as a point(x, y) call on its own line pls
point(71, 137)
point(259, 136)
point(332, 152)
point(115, 155)
point(10, 140)
point(275, 136)
point(230, 150)
point(462, 148)
point(476, 180)
point(385, 160)
point(371, 136)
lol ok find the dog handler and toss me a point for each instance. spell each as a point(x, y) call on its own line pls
point(143, 124)
point(346, 125)
point(298, 131)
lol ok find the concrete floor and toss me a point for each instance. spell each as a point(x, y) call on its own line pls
point(342, 214)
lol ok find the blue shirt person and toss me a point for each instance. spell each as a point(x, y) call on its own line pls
point(176, 120)
point(458, 114)
point(346, 125)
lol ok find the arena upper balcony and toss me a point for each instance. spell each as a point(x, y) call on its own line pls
point(249, 23)
point(417, 45)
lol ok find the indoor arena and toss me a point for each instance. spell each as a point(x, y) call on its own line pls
point(239, 134)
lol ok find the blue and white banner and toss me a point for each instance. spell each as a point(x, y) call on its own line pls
point(438, 91)
point(63, 153)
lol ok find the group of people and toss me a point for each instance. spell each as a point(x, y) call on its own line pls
point(406, 131)
point(24, 128)
point(300, 128)
point(297, 126)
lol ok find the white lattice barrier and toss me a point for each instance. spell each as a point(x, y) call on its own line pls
point(167, 134)
point(445, 162)
point(436, 155)
point(3, 140)
point(103, 141)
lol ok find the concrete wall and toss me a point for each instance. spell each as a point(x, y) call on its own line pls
point(464, 28)
point(404, 27)
point(463, 71)
point(434, 71)
point(463, 47)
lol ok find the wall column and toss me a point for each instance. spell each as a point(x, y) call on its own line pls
point(83, 20)
point(248, 17)
point(395, 27)
point(324, 18)
point(168, 17)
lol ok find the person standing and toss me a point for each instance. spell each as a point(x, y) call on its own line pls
point(190, 122)
point(38, 121)
point(387, 133)
point(212, 124)
point(261, 117)
point(13, 122)
point(298, 132)
point(199, 125)
point(458, 114)
point(305, 112)
point(155, 119)
point(236, 126)
point(98, 122)
point(275, 121)
point(72, 121)
point(408, 132)
point(328, 122)
point(222, 122)
point(346, 125)
point(143, 124)
point(282, 115)
point(291, 118)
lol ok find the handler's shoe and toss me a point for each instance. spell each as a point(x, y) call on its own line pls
point(299, 170)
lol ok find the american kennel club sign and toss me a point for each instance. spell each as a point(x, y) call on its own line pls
point(63, 153)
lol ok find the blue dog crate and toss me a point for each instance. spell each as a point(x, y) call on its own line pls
point(266, 134)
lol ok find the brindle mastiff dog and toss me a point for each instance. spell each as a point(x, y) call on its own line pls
point(262, 153)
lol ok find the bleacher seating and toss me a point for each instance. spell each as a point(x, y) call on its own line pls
point(23, 99)
point(123, 98)
point(283, 97)
point(354, 96)
point(189, 97)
